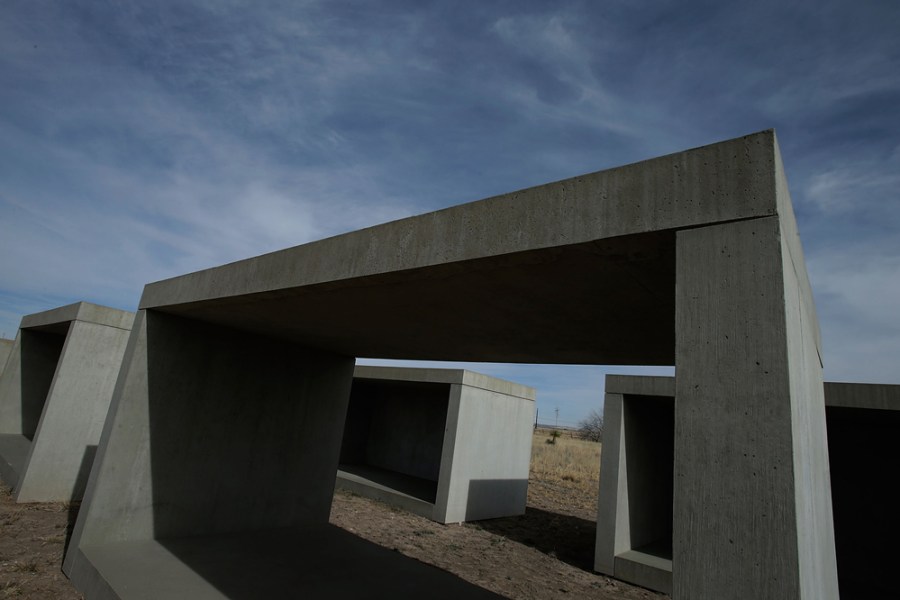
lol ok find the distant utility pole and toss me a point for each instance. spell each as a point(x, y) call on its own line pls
point(557, 417)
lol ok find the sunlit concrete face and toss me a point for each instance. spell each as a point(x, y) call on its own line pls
point(691, 259)
point(634, 517)
point(447, 444)
point(54, 396)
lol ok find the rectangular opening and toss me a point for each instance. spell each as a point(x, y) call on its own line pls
point(862, 450)
point(650, 452)
point(39, 353)
point(394, 435)
point(40, 356)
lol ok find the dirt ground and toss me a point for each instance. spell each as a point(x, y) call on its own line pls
point(547, 553)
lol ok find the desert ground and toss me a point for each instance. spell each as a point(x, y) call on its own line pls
point(545, 553)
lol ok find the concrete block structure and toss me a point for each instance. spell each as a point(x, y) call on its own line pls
point(447, 444)
point(634, 507)
point(634, 517)
point(227, 417)
point(54, 396)
point(5, 349)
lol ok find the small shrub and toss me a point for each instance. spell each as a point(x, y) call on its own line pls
point(591, 427)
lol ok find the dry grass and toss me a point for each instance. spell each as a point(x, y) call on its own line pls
point(10, 589)
point(569, 459)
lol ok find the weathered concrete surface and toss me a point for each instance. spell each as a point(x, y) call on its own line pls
point(750, 419)
point(5, 349)
point(607, 268)
point(863, 422)
point(54, 397)
point(448, 444)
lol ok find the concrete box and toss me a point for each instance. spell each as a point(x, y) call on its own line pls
point(227, 417)
point(54, 396)
point(447, 444)
point(634, 516)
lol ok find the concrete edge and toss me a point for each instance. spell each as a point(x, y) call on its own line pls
point(447, 376)
point(80, 311)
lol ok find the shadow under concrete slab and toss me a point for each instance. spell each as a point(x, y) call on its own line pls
point(320, 562)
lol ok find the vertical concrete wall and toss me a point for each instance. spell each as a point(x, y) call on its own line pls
point(5, 348)
point(212, 431)
point(487, 452)
point(747, 396)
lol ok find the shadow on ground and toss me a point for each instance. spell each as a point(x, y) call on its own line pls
point(569, 539)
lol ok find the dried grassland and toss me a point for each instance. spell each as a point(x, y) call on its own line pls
point(568, 459)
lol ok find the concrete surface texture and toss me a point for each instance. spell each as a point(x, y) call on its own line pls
point(5, 349)
point(636, 483)
point(448, 444)
point(623, 266)
point(54, 396)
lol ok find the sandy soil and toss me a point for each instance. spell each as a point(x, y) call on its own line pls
point(547, 553)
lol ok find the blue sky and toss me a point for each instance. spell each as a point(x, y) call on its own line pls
point(140, 141)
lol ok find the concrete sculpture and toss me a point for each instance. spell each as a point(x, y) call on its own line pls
point(54, 396)
point(230, 404)
point(448, 444)
point(634, 516)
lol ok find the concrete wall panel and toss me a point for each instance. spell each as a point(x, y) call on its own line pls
point(746, 393)
point(6, 347)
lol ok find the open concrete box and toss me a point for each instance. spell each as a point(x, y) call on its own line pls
point(217, 464)
point(54, 396)
point(448, 444)
point(634, 518)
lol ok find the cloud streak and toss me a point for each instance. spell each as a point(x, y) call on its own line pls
point(142, 142)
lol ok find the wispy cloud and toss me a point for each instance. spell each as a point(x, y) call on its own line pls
point(143, 142)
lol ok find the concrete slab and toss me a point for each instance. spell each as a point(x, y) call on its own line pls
point(238, 377)
point(636, 483)
point(5, 349)
point(54, 395)
point(447, 444)
point(318, 562)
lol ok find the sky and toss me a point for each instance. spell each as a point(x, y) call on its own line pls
point(144, 140)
